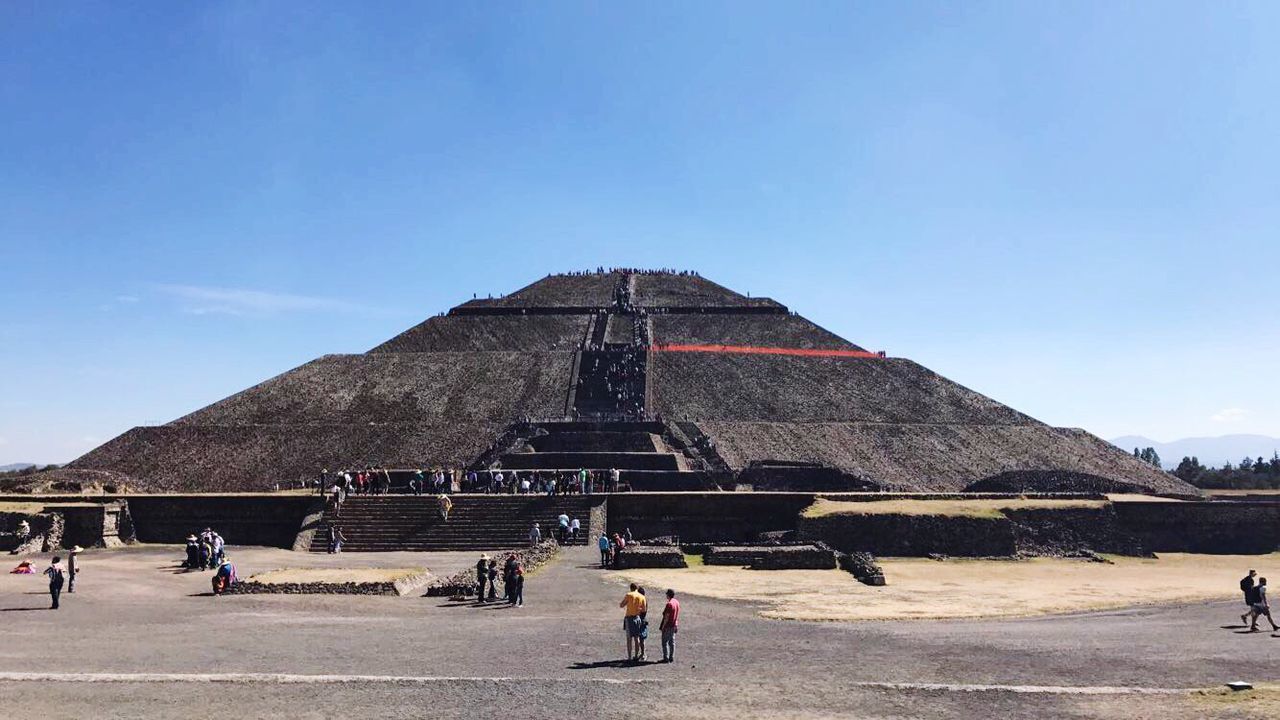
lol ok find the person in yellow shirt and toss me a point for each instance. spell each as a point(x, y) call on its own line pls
point(635, 606)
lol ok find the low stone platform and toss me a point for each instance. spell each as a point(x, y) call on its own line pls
point(650, 556)
point(335, 581)
point(772, 557)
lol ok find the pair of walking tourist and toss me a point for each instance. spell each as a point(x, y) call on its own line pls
point(1255, 596)
point(336, 538)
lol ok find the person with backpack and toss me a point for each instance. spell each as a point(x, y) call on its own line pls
point(1259, 606)
point(1246, 587)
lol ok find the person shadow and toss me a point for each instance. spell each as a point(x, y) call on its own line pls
point(610, 664)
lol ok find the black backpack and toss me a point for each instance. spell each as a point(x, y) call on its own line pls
point(1246, 583)
point(1253, 595)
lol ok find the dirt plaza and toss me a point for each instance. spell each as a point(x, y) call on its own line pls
point(141, 638)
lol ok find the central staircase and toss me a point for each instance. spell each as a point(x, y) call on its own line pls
point(378, 523)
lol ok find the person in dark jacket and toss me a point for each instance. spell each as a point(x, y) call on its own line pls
point(517, 586)
point(508, 575)
point(57, 576)
point(493, 580)
point(482, 574)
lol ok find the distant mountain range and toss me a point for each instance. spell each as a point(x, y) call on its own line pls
point(15, 466)
point(1211, 451)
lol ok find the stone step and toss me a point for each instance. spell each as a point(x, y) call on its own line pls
point(590, 460)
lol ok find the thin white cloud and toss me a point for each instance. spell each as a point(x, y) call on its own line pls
point(127, 299)
point(199, 300)
point(1229, 415)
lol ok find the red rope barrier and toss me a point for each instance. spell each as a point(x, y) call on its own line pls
point(751, 350)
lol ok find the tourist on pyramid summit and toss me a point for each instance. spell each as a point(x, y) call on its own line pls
point(445, 506)
point(583, 478)
point(416, 481)
point(524, 486)
point(606, 549)
point(551, 485)
point(535, 535)
point(57, 576)
point(669, 625)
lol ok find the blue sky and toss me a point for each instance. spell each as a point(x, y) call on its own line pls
point(1071, 207)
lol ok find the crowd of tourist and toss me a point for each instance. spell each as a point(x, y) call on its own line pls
point(208, 551)
point(379, 481)
point(610, 547)
point(512, 580)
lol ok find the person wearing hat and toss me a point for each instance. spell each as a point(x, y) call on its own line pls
point(57, 576)
point(71, 567)
point(193, 552)
point(482, 572)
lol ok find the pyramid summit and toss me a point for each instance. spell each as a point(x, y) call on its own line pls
point(678, 382)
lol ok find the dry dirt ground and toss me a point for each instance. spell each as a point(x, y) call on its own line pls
point(928, 589)
point(140, 639)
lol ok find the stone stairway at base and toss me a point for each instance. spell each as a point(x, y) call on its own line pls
point(382, 523)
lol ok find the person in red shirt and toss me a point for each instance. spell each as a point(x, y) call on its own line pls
point(670, 621)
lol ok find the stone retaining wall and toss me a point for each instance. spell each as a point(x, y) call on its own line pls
point(650, 556)
point(402, 586)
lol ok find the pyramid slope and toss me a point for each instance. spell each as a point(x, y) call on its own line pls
point(480, 333)
point(772, 388)
point(212, 458)
point(774, 331)
point(934, 458)
point(401, 387)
